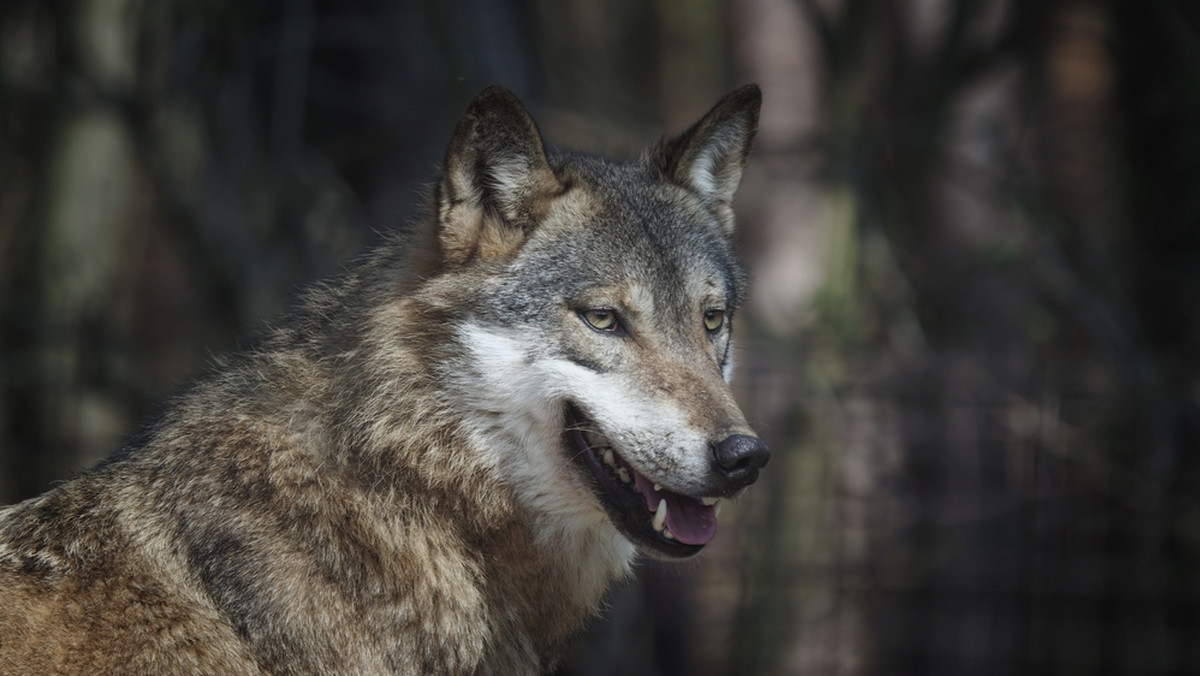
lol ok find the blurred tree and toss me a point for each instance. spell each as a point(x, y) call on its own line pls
point(1000, 461)
point(972, 341)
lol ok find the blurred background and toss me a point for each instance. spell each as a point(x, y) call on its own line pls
point(974, 228)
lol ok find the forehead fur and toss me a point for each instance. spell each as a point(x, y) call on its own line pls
point(626, 223)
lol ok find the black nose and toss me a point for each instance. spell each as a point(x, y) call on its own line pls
point(739, 457)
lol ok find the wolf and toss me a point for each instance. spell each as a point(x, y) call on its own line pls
point(439, 461)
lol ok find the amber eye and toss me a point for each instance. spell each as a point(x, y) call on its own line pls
point(600, 319)
point(714, 319)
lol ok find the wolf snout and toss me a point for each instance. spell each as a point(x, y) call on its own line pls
point(738, 457)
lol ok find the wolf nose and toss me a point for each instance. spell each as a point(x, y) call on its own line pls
point(739, 457)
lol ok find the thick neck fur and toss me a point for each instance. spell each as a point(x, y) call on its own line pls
point(341, 434)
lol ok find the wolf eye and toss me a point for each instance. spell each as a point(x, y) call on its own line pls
point(600, 319)
point(714, 319)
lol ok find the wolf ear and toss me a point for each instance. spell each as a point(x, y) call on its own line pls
point(496, 179)
point(708, 158)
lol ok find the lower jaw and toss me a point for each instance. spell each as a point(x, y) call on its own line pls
point(657, 546)
point(625, 508)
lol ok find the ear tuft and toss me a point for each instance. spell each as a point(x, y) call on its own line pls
point(495, 179)
point(709, 157)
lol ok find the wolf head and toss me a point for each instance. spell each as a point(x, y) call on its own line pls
point(592, 305)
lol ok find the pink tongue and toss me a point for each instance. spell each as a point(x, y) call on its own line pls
point(688, 519)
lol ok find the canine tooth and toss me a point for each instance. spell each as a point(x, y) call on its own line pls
point(717, 509)
point(667, 534)
point(660, 516)
point(709, 502)
point(608, 458)
point(624, 474)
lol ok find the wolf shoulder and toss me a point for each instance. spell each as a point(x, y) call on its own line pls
point(80, 594)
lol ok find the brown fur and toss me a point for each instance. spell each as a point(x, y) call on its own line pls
point(120, 570)
point(313, 507)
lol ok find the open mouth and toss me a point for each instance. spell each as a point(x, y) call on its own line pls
point(662, 521)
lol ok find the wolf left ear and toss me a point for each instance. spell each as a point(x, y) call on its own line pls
point(709, 157)
point(496, 179)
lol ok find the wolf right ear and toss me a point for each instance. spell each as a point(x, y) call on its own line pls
point(496, 179)
point(709, 157)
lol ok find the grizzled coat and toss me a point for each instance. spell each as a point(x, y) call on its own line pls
point(336, 501)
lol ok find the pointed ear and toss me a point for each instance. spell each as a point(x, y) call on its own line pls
point(709, 157)
point(496, 179)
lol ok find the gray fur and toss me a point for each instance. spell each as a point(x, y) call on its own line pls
point(388, 484)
